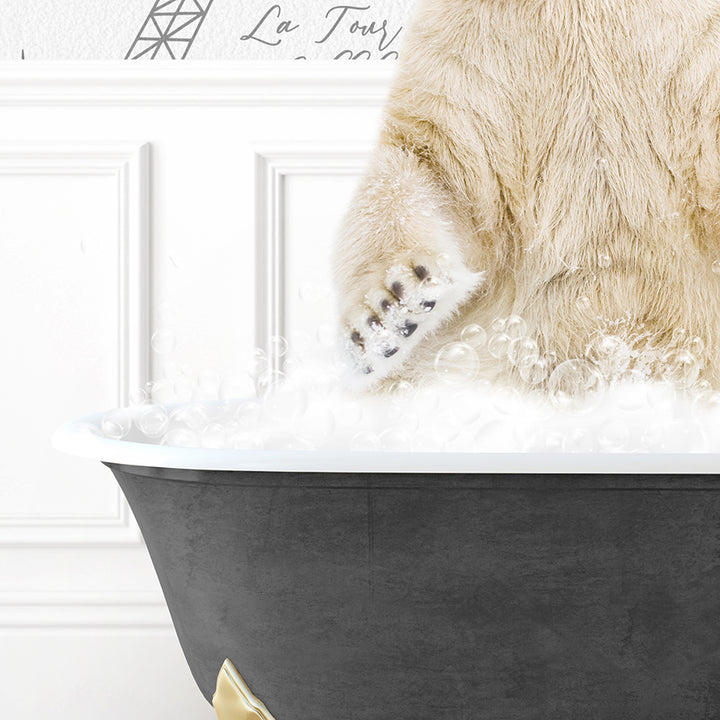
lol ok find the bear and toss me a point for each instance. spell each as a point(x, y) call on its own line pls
point(554, 162)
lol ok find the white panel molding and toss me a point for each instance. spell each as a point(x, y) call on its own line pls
point(26, 611)
point(273, 164)
point(334, 83)
point(128, 164)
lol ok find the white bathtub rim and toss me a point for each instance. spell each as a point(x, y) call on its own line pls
point(74, 438)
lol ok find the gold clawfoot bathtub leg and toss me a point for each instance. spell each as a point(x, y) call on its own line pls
point(233, 699)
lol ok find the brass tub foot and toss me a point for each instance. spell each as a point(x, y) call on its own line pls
point(233, 699)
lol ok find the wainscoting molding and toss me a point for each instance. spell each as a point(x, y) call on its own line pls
point(96, 611)
point(128, 164)
point(268, 84)
point(273, 164)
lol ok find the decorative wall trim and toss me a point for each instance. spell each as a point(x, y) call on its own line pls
point(99, 611)
point(300, 82)
point(128, 163)
point(273, 164)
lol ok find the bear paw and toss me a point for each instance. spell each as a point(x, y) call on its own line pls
point(411, 301)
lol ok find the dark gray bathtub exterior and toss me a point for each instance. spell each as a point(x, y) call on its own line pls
point(456, 597)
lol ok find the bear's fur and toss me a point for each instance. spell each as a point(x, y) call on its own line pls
point(554, 159)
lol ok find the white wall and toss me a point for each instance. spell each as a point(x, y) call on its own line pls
point(229, 30)
point(198, 199)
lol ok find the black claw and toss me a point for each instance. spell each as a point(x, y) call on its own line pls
point(428, 305)
point(391, 352)
point(356, 337)
point(385, 305)
point(422, 272)
point(367, 370)
point(397, 289)
point(374, 321)
point(408, 329)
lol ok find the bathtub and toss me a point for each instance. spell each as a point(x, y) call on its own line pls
point(421, 586)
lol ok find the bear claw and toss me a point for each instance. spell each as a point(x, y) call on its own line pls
point(408, 329)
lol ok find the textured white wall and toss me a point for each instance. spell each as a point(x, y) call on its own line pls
point(88, 29)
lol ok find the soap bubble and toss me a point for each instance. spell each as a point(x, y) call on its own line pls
point(546, 441)
point(609, 353)
point(116, 424)
point(296, 445)
point(365, 441)
point(504, 401)
point(278, 346)
point(679, 336)
point(613, 436)
point(716, 267)
point(246, 441)
point(499, 346)
point(258, 364)
point(248, 413)
point(402, 415)
point(193, 415)
point(681, 368)
point(235, 387)
point(213, 436)
point(180, 437)
point(583, 303)
point(498, 325)
point(604, 260)
point(152, 421)
point(268, 381)
point(184, 389)
point(696, 346)
point(534, 370)
point(208, 386)
point(662, 395)
point(162, 392)
point(515, 327)
point(456, 363)
point(163, 341)
point(631, 394)
point(426, 399)
point(316, 425)
point(679, 436)
point(575, 384)
point(400, 387)
point(707, 402)
point(523, 350)
point(684, 436)
point(653, 437)
point(139, 396)
point(286, 403)
point(396, 440)
point(580, 440)
point(474, 336)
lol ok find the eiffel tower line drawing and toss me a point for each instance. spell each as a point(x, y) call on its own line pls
point(169, 29)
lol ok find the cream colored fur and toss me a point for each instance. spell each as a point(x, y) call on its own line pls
point(533, 153)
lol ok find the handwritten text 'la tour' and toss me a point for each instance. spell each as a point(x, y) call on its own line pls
point(342, 20)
